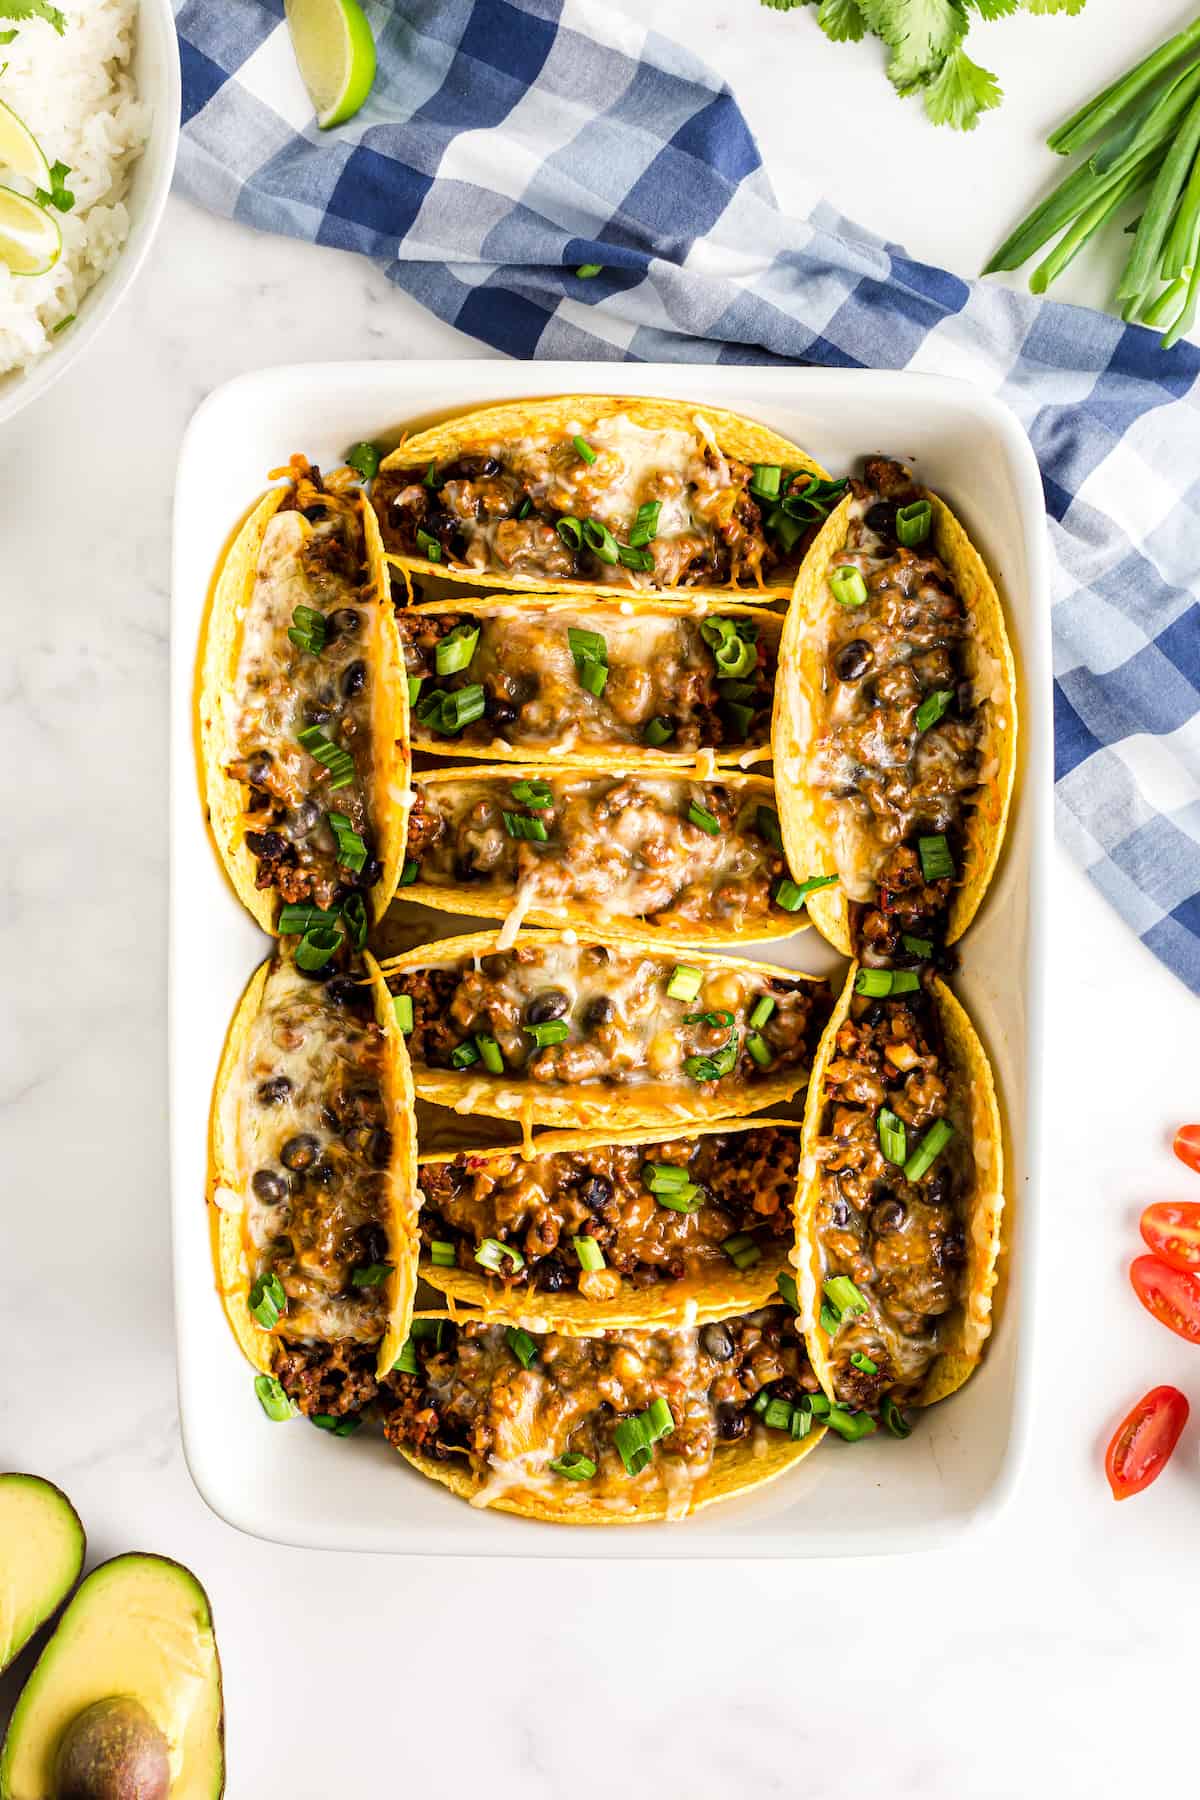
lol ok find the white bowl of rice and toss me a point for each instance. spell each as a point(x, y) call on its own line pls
point(102, 96)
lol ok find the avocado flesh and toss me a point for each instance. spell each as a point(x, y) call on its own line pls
point(138, 1626)
point(41, 1557)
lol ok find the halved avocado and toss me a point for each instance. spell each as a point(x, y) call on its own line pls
point(132, 1665)
point(41, 1557)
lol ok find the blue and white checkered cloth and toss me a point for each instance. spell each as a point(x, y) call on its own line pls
point(507, 142)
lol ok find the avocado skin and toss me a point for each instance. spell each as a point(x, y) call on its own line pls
point(112, 1750)
point(55, 1597)
point(214, 1777)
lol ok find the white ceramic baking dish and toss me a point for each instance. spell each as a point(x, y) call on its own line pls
point(299, 1486)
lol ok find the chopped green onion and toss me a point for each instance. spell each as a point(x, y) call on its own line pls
point(860, 1360)
point(786, 1283)
point(402, 1006)
point(339, 762)
point(554, 1031)
point(430, 479)
point(570, 531)
point(461, 709)
point(300, 916)
point(586, 646)
point(308, 629)
point(630, 557)
point(713, 1068)
point(802, 1421)
point(272, 1399)
point(455, 650)
point(742, 1250)
point(913, 523)
point(406, 1363)
point(848, 587)
point(764, 481)
point(700, 815)
point(732, 642)
point(917, 946)
point(761, 1011)
point(659, 731)
point(877, 984)
point(820, 1404)
point(658, 1177)
point(414, 688)
point(937, 864)
point(518, 826)
point(893, 1137)
point(492, 1254)
point(574, 1466)
point(932, 707)
point(535, 794)
point(893, 1418)
point(759, 1049)
point(464, 1056)
point(841, 1292)
point(590, 1255)
point(928, 1150)
point(268, 1302)
point(767, 821)
point(740, 717)
point(584, 449)
point(316, 947)
point(831, 1320)
point(351, 851)
point(364, 458)
point(371, 1274)
point(521, 1345)
point(7, 38)
point(525, 508)
point(686, 1199)
point(761, 1402)
point(585, 272)
point(429, 1328)
point(344, 1427)
point(489, 1050)
point(593, 676)
point(851, 1425)
point(429, 546)
point(354, 916)
point(636, 1437)
point(409, 872)
point(778, 1415)
point(645, 524)
point(600, 540)
point(791, 895)
point(685, 982)
point(442, 1254)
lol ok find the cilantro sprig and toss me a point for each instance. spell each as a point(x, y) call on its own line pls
point(59, 195)
point(23, 10)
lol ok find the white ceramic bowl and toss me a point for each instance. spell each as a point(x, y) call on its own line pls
point(156, 65)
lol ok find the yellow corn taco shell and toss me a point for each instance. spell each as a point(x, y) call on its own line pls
point(220, 651)
point(593, 1105)
point(736, 1468)
point(692, 1300)
point(506, 900)
point(734, 435)
point(627, 757)
point(807, 814)
point(229, 1179)
point(964, 1346)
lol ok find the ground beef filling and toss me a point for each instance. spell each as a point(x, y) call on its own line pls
point(327, 1380)
point(901, 1242)
point(532, 694)
point(886, 658)
point(621, 1026)
point(746, 1181)
point(473, 1395)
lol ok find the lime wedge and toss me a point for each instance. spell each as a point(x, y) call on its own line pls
point(336, 54)
point(20, 150)
point(30, 241)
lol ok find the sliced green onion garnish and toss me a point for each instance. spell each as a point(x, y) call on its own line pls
point(759, 1049)
point(461, 709)
point(740, 717)
point(841, 1292)
point(414, 688)
point(354, 916)
point(928, 1150)
point(316, 947)
point(442, 1254)
point(848, 587)
point(877, 984)
point(777, 1415)
point(430, 1328)
point(742, 1250)
point(300, 916)
point(455, 650)
point(732, 642)
point(590, 1255)
point(489, 1051)
point(570, 531)
point(937, 864)
point(364, 458)
point(592, 675)
point(686, 1199)
point(272, 1399)
point(630, 557)
point(521, 1345)
point(767, 821)
point(464, 1056)
point(831, 1320)
point(554, 1031)
point(913, 523)
point(659, 1177)
point(429, 547)
point(851, 1425)
point(308, 629)
point(409, 872)
point(860, 1360)
point(600, 540)
point(402, 1006)
point(685, 982)
point(820, 1404)
point(268, 1302)
point(406, 1363)
point(339, 762)
point(932, 707)
point(351, 851)
point(525, 508)
point(786, 1283)
point(760, 1012)
point(917, 946)
point(764, 481)
point(645, 524)
point(893, 1418)
point(713, 1068)
point(534, 794)
point(344, 1427)
point(371, 1274)
point(493, 1255)
point(584, 449)
point(574, 1466)
point(518, 826)
point(700, 815)
point(635, 1438)
point(802, 1421)
point(893, 1138)
point(586, 646)
point(659, 731)
point(429, 479)
point(791, 895)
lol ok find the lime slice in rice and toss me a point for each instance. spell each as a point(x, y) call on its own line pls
point(30, 241)
point(20, 150)
point(336, 54)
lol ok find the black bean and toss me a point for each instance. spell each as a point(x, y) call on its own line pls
point(354, 680)
point(840, 1213)
point(343, 990)
point(472, 468)
point(369, 874)
point(853, 659)
point(598, 1013)
point(321, 1175)
point(881, 518)
point(596, 1192)
point(717, 1342)
point(552, 1277)
point(273, 1092)
point(551, 1004)
point(270, 1187)
point(358, 1139)
point(345, 621)
point(300, 1152)
point(373, 1239)
point(258, 768)
point(964, 699)
point(731, 1423)
point(939, 1187)
point(303, 819)
point(316, 713)
point(494, 966)
point(266, 844)
point(887, 1216)
point(499, 712)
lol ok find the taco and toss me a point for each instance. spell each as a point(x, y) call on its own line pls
point(895, 728)
point(643, 685)
point(616, 495)
point(555, 1030)
point(303, 709)
point(618, 1429)
point(313, 1183)
point(600, 1229)
point(662, 856)
point(899, 1217)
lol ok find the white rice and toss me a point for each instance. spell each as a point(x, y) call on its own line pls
point(77, 95)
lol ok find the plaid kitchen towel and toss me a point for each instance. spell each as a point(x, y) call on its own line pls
point(508, 142)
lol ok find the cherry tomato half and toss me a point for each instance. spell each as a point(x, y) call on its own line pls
point(1173, 1232)
point(1170, 1295)
point(1142, 1444)
point(1187, 1146)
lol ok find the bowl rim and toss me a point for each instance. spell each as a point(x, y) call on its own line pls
point(158, 158)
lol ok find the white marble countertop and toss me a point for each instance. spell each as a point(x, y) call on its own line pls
point(764, 1678)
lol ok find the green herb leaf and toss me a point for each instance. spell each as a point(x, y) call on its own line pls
point(34, 9)
point(960, 92)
